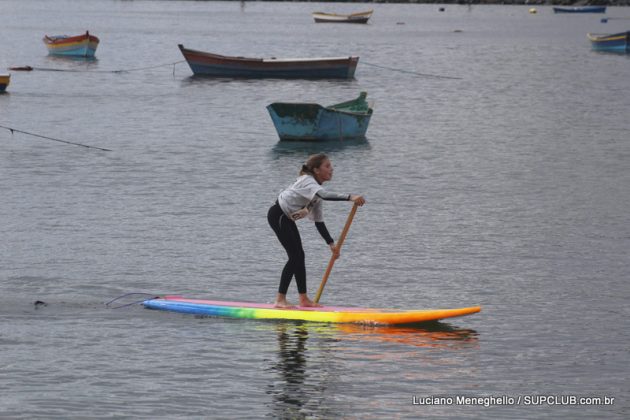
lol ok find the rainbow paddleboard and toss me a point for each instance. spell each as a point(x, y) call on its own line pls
point(324, 314)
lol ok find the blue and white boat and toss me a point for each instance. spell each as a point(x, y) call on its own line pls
point(580, 9)
point(313, 122)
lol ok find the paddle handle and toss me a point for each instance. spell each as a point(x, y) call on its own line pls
point(342, 238)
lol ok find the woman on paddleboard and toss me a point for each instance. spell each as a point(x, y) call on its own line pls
point(302, 199)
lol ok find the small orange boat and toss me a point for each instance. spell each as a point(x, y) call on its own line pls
point(5, 79)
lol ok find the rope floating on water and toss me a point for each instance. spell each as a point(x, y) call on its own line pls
point(129, 304)
point(29, 68)
point(15, 130)
point(606, 19)
point(151, 67)
point(435, 76)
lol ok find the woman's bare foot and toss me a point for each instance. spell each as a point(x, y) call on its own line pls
point(281, 302)
point(306, 302)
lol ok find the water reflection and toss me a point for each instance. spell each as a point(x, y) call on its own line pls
point(311, 358)
point(59, 59)
point(286, 148)
point(291, 362)
point(301, 379)
point(428, 335)
point(201, 80)
point(619, 53)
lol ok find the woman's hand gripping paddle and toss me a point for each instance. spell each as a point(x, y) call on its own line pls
point(342, 238)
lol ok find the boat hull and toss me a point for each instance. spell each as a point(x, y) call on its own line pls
point(363, 17)
point(75, 46)
point(313, 122)
point(328, 314)
point(5, 79)
point(582, 9)
point(214, 65)
point(618, 43)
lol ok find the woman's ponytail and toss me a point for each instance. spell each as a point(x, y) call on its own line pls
point(313, 162)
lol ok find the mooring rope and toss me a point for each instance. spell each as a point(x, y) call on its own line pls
point(415, 73)
point(12, 130)
point(29, 68)
point(151, 67)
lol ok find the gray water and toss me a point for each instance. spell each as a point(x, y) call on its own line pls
point(496, 171)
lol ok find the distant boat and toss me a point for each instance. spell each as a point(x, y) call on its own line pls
point(313, 122)
point(611, 43)
point(208, 64)
point(77, 46)
point(5, 79)
point(361, 17)
point(580, 9)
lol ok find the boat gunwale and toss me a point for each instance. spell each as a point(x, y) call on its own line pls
point(607, 37)
point(53, 40)
point(328, 108)
point(185, 50)
point(350, 15)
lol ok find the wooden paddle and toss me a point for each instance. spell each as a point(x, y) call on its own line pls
point(342, 238)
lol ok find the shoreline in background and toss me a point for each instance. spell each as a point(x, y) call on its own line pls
point(566, 3)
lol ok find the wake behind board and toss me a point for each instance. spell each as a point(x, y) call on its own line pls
point(331, 314)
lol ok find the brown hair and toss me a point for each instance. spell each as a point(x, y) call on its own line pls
point(313, 162)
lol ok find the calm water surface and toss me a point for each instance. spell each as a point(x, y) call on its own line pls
point(496, 171)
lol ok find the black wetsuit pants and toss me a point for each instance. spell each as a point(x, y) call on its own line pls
point(287, 232)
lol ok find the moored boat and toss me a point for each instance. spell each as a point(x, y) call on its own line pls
point(5, 79)
point(610, 42)
point(580, 9)
point(215, 65)
point(361, 17)
point(83, 45)
point(313, 122)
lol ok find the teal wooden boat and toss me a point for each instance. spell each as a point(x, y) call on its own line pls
point(313, 122)
point(618, 43)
